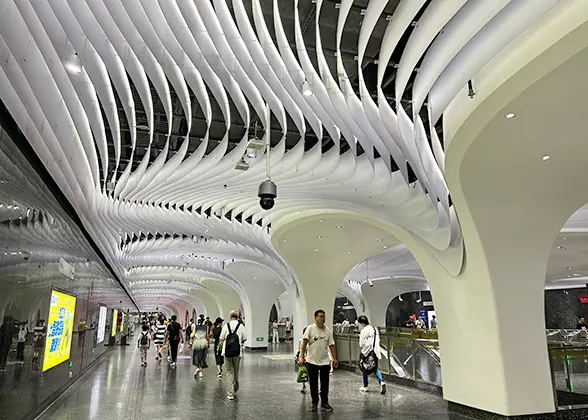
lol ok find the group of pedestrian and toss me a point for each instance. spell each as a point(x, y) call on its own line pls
point(226, 340)
point(317, 352)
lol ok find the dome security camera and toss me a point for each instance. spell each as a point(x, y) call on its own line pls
point(267, 193)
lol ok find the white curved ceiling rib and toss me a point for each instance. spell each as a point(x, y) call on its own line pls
point(144, 142)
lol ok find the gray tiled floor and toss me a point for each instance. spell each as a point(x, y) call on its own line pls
point(120, 389)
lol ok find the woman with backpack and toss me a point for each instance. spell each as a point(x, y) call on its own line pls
point(144, 342)
point(369, 343)
point(218, 350)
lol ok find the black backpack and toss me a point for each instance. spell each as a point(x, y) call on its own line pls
point(232, 343)
point(144, 339)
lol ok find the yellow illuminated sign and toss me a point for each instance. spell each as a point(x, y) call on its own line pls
point(59, 329)
point(114, 319)
point(122, 323)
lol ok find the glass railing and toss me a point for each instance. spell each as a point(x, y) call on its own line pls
point(406, 353)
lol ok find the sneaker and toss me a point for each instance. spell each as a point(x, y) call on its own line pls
point(327, 407)
point(200, 374)
point(159, 355)
point(219, 375)
point(303, 390)
point(142, 364)
point(145, 364)
point(195, 374)
point(313, 407)
point(230, 397)
point(383, 388)
point(364, 389)
point(173, 364)
point(157, 358)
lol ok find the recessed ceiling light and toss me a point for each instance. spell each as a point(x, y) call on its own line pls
point(338, 227)
point(254, 278)
point(564, 238)
point(546, 157)
point(569, 268)
point(321, 221)
point(285, 240)
point(319, 237)
point(559, 247)
point(349, 252)
point(73, 64)
point(316, 250)
point(385, 246)
point(510, 115)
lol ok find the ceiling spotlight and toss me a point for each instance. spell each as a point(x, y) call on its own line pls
point(242, 165)
point(338, 227)
point(319, 237)
point(321, 221)
point(73, 64)
point(251, 153)
point(316, 250)
point(569, 268)
point(349, 252)
point(510, 115)
point(285, 240)
point(546, 157)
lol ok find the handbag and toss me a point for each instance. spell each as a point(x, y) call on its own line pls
point(302, 374)
point(369, 363)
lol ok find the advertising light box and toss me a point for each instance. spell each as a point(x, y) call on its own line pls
point(122, 322)
point(114, 319)
point(59, 329)
point(101, 324)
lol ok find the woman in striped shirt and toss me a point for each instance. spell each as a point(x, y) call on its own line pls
point(159, 338)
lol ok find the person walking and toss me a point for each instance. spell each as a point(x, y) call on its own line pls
point(433, 322)
point(175, 337)
point(200, 341)
point(288, 330)
point(144, 343)
point(21, 342)
point(159, 338)
point(318, 338)
point(218, 350)
point(369, 344)
point(275, 334)
point(6, 331)
point(231, 338)
point(190, 330)
point(299, 360)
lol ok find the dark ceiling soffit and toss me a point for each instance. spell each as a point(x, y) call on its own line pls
point(10, 126)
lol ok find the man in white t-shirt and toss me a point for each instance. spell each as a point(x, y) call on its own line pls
point(232, 337)
point(318, 340)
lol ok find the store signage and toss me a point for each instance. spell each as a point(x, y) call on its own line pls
point(59, 329)
point(427, 303)
point(66, 269)
point(101, 324)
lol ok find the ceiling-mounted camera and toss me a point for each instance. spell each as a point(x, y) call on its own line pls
point(267, 193)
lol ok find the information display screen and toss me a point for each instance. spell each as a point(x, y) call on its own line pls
point(59, 329)
point(114, 319)
point(101, 324)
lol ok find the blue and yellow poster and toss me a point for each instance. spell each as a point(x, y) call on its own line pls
point(59, 329)
point(114, 321)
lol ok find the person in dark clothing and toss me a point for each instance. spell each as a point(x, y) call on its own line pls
point(218, 349)
point(6, 333)
point(581, 323)
point(200, 319)
point(175, 337)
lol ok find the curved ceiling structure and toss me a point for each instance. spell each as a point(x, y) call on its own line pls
point(145, 140)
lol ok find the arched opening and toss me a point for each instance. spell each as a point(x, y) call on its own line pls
point(344, 312)
point(566, 308)
point(406, 309)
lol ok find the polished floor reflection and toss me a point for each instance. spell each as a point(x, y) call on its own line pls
point(120, 388)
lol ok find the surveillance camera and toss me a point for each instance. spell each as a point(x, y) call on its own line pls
point(267, 193)
point(370, 283)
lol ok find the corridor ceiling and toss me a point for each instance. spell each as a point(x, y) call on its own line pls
point(144, 140)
